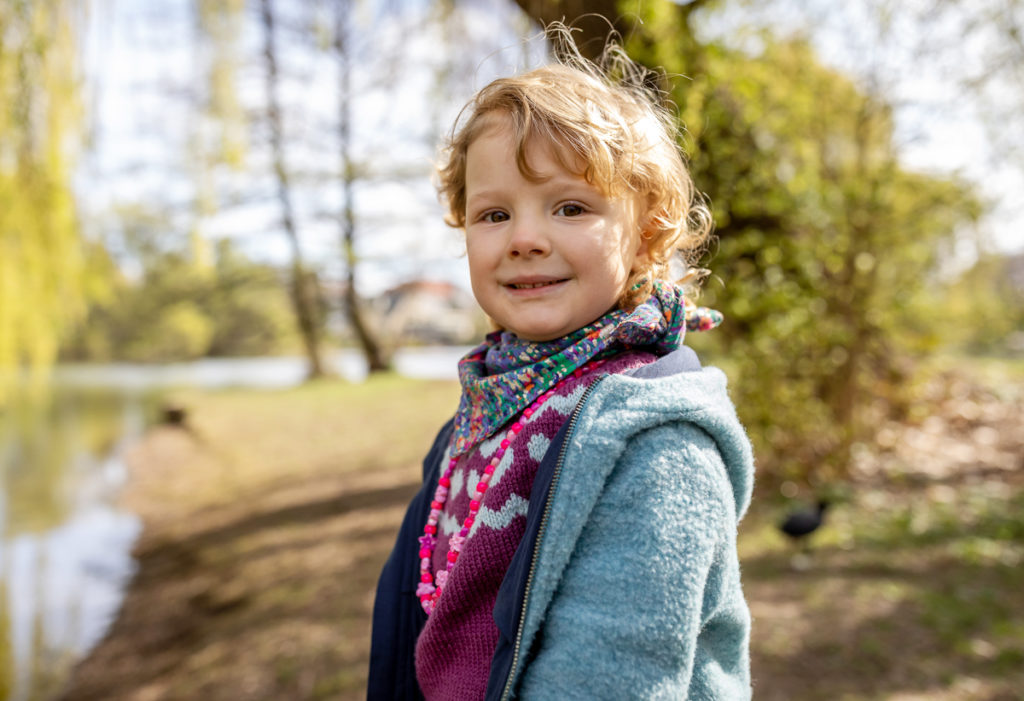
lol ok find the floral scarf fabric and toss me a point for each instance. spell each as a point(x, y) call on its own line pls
point(504, 374)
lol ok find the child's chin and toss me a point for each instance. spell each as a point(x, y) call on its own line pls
point(539, 334)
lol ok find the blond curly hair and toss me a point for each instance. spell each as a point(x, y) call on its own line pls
point(609, 126)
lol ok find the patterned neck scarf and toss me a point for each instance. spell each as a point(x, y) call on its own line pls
point(504, 374)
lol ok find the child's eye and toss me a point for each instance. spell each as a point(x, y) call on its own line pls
point(495, 216)
point(570, 209)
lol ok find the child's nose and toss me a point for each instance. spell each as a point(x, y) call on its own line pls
point(528, 238)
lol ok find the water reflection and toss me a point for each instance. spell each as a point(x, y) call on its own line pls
point(429, 362)
point(64, 546)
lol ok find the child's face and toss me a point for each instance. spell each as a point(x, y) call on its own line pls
point(546, 257)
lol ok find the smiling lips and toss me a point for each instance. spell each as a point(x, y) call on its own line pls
point(533, 284)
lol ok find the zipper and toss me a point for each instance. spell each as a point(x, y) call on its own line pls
point(506, 693)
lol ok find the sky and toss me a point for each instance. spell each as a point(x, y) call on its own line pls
point(143, 67)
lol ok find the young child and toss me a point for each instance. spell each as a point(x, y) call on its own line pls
point(575, 536)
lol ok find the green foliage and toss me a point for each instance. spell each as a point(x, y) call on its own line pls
point(184, 307)
point(44, 268)
point(985, 306)
point(824, 240)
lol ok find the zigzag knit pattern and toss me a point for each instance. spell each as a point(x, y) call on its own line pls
point(454, 651)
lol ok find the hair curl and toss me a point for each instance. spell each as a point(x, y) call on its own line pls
point(609, 125)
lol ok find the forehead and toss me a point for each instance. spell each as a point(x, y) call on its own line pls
point(501, 132)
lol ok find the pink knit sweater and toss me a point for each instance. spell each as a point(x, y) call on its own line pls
point(454, 651)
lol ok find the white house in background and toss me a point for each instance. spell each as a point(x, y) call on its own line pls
point(429, 312)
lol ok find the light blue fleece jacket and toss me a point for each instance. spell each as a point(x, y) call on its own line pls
point(636, 592)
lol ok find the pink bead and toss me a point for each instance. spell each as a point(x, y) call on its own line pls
point(494, 461)
point(430, 528)
point(505, 443)
point(445, 482)
point(474, 505)
point(527, 412)
point(489, 470)
point(436, 505)
point(517, 427)
point(469, 524)
point(425, 577)
point(481, 487)
point(452, 556)
point(425, 552)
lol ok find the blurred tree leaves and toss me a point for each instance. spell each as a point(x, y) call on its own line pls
point(825, 241)
point(45, 270)
point(188, 302)
point(984, 307)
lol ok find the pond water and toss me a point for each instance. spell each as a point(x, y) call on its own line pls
point(65, 547)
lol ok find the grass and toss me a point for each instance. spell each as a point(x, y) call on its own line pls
point(268, 520)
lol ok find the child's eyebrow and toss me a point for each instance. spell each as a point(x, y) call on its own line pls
point(482, 195)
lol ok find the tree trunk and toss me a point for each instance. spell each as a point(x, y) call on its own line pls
point(595, 19)
point(304, 287)
point(376, 359)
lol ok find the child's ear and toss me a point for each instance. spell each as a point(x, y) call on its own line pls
point(643, 243)
point(641, 249)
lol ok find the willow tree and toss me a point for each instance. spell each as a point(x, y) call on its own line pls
point(43, 271)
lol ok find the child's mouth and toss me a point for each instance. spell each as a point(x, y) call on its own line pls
point(532, 285)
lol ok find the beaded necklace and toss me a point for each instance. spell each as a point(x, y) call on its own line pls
point(431, 586)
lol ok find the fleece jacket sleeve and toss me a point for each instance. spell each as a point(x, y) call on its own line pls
point(649, 605)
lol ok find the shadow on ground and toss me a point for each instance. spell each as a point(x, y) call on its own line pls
point(268, 605)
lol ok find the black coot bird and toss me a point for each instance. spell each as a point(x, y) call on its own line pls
point(801, 523)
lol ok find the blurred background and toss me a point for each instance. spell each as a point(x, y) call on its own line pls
point(230, 312)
